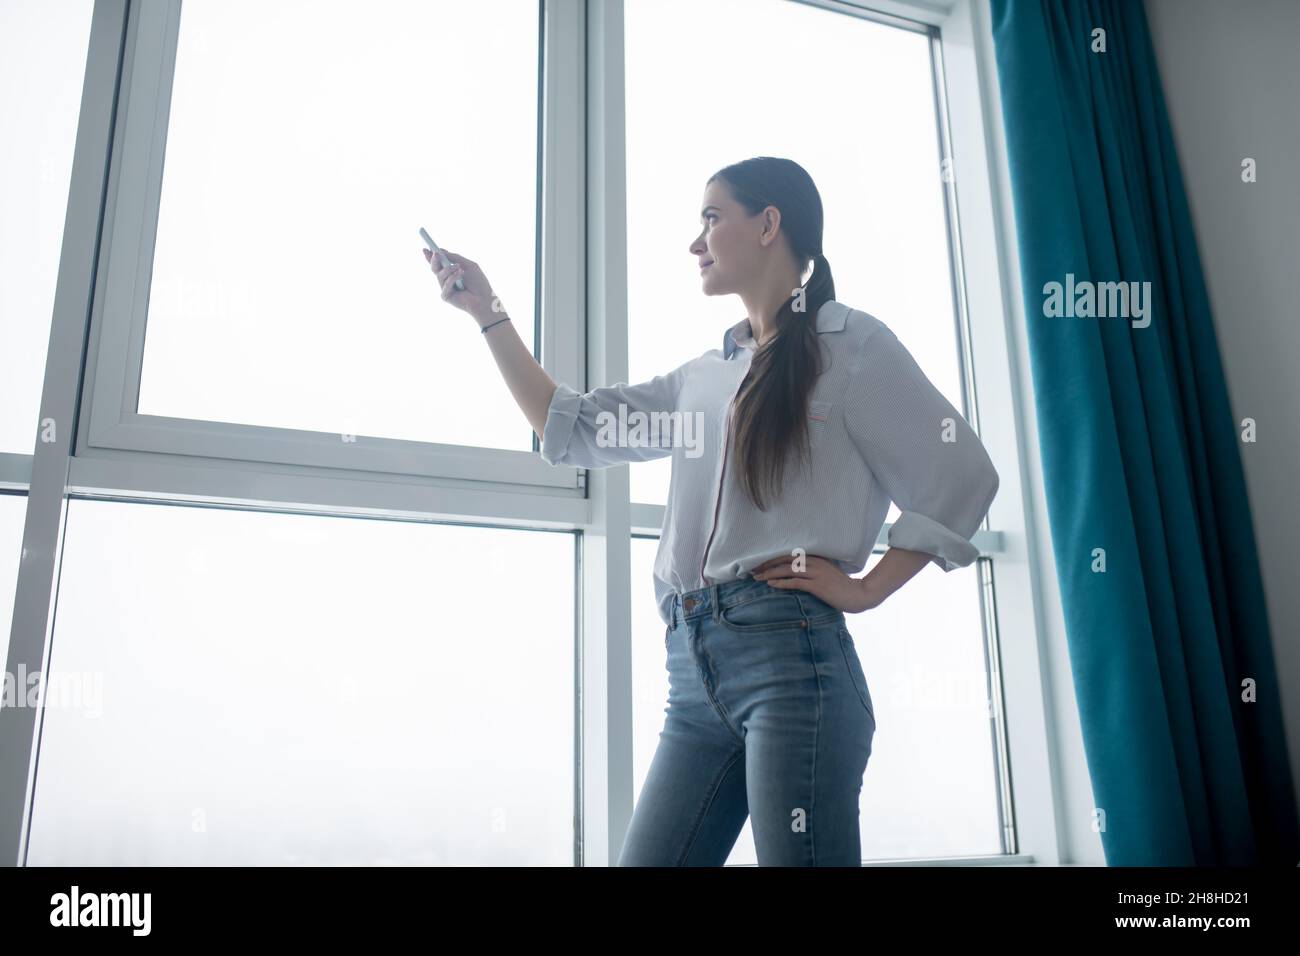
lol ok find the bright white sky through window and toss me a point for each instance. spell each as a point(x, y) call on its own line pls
point(245, 688)
point(308, 142)
point(852, 101)
point(289, 290)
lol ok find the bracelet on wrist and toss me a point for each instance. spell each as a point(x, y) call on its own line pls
point(497, 322)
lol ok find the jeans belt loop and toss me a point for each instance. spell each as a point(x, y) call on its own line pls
point(714, 596)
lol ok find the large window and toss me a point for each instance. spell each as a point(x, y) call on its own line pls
point(264, 295)
point(42, 64)
point(319, 600)
point(241, 688)
point(855, 105)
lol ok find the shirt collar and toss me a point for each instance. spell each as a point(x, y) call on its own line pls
point(830, 318)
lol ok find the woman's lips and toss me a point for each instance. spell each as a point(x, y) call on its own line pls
point(706, 265)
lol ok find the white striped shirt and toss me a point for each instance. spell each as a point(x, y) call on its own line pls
point(879, 431)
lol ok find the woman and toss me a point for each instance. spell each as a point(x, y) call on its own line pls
point(769, 715)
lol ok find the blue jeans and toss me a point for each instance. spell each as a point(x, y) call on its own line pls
point(769, 717)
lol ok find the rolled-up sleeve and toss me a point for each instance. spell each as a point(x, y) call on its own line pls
point(584, 429)
point(924, 454)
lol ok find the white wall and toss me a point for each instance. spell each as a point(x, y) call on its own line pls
point(1231, 76)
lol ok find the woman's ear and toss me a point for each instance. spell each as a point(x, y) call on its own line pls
point(771, 222)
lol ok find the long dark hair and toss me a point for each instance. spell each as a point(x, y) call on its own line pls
point(772, 404)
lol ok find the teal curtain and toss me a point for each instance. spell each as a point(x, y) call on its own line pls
point(1140, 452)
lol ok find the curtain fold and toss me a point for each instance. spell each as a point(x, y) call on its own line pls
point(1151, 527)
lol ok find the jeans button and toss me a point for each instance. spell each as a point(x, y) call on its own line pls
point(690, 603)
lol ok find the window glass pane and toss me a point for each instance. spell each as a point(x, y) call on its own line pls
point(860, 119)
point(42, 66)
point(13, 513)
point(930, 789)
point(289, 287)
point(267, 689)
point(931, 786)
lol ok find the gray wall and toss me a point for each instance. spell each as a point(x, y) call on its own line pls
point(1231, 76)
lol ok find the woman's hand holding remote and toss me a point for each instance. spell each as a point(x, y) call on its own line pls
point(477, 297)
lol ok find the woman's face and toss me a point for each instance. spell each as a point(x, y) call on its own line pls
point(729, 248)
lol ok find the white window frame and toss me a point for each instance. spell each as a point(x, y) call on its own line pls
point(121, 455)
point(121, 301)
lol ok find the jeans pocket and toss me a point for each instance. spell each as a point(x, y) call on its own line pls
point(856, 675)
point(764, 612)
